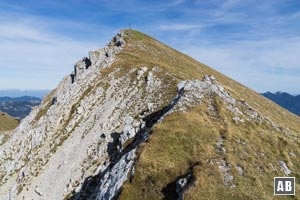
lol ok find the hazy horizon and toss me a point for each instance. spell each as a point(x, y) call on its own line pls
point(19, 93)
point(42, 92)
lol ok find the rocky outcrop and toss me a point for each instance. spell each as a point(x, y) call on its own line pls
point(82, 130)
point(225, 168)
point(183, 183)
point(55, 145)
point(284, 168)
point(176, 189)
point(106, 56)
point(81, 142)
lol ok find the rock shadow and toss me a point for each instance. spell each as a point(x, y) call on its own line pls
point(90, 187)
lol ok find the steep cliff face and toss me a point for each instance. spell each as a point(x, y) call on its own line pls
point(89, 138)
point(81, 127)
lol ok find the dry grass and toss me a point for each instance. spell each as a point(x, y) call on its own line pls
point(172, 148)
point(144, 50)
point(7, 122)
point(185, 138)
point(47, 102)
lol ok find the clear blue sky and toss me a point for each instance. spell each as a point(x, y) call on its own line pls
point(255, 42)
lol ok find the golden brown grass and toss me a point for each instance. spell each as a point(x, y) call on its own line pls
point(185, 138)
point(7, 122)
point(47, 102)
point(172, 147)
point(144, 50)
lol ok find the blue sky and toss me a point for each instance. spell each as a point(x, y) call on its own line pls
point(254, 42)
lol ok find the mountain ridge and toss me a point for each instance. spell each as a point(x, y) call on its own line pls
point(21, 98)
point(13, 93)
point(123, 122)
point(286, 100)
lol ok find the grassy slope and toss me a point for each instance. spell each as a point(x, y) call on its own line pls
point(144, 50)
point(186, 138)
point(7, 122)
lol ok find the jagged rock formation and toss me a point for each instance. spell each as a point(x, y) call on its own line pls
point(90, 138)
point(83, 115)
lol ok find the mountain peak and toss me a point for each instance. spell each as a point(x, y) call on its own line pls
point(130, 114)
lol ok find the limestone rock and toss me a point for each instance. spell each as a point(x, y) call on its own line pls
point(284, 168)
point(81, 142)
point(225, 168)
point(240, 170)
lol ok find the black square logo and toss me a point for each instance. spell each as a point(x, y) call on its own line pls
point(284, 185)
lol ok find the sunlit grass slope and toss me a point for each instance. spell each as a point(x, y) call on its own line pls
point(7, 122)
point(189, 139)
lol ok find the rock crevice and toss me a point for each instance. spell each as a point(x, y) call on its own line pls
point(107, 183)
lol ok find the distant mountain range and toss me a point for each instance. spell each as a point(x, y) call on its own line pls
point(286, 100)
point(18, 107)
point(19, 93)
